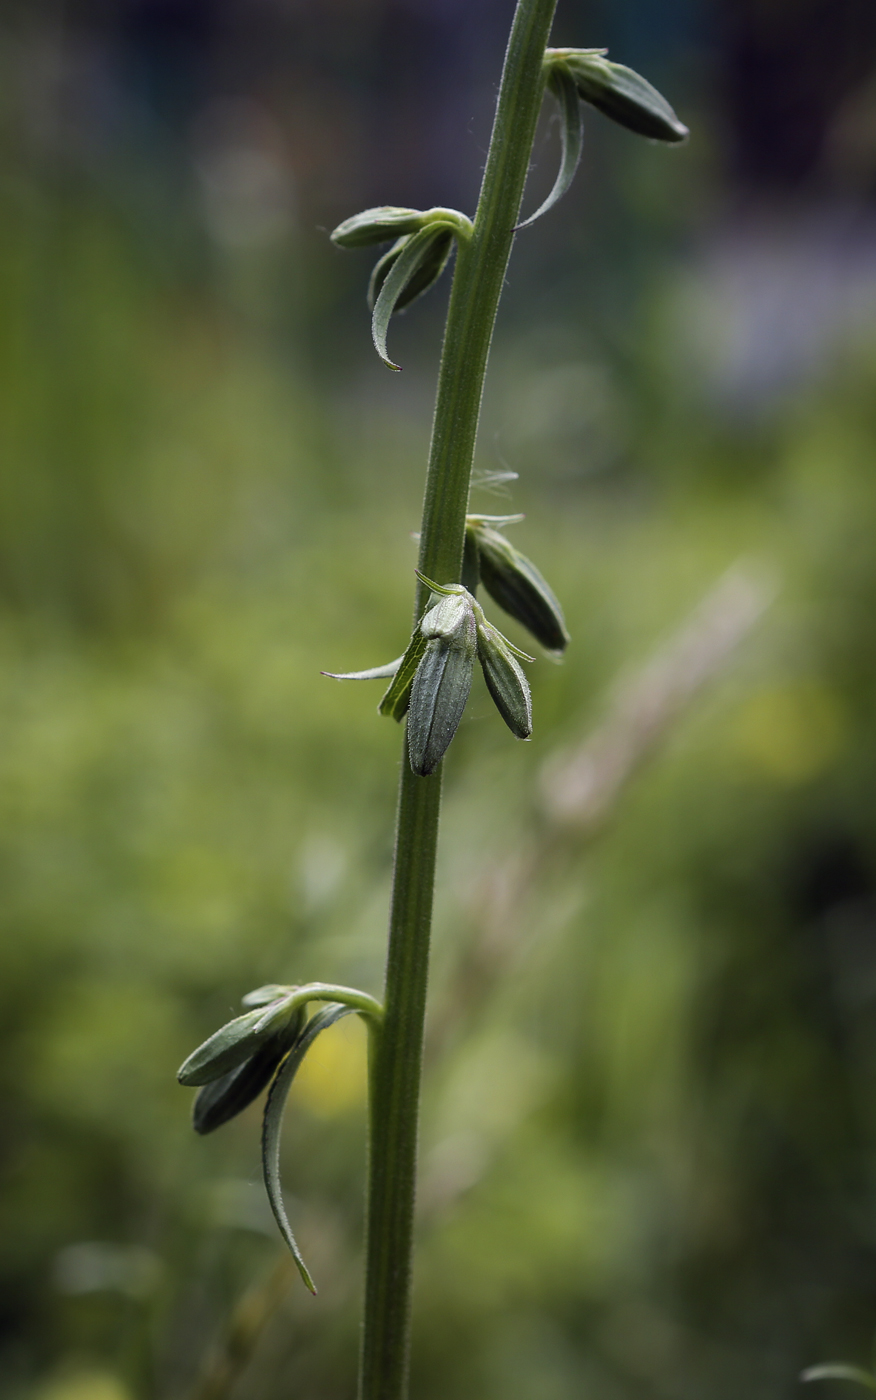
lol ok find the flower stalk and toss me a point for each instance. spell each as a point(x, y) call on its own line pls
point(397, 1059)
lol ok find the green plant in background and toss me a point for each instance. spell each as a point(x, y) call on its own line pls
point(430, 682)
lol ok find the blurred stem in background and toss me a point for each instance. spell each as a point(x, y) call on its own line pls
point(396, 1069)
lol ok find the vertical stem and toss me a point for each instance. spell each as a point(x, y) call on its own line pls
point(397, 1059)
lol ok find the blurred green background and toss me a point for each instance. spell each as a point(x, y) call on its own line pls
point(649, 1139)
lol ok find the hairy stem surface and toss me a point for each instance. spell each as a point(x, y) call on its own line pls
point(397, 1058)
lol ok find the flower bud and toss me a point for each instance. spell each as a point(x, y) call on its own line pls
point(619, 93)
point(387, 221)
point(443, 680)
point(377, 226)
point(224, 1097)
point(233, 1043)
point(505, 680)
point(222, 1100)
point(516, 585)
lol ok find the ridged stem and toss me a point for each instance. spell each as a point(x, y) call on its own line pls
point(398, 1049)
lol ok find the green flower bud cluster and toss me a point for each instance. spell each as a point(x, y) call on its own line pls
point(431, 682)
point(265, 1046)
point(241, 1058)
point(423, 244)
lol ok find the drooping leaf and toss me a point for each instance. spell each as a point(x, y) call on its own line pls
point(273, 1122)
point(572, 136)
point(417, 254)
point(428, 273)
point(397, 698)
point(375, 674)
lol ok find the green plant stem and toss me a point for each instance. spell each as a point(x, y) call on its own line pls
point(397, 1055)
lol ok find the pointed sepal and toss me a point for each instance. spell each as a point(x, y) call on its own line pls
point(376, 673)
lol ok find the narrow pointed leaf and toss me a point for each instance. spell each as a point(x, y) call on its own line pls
point(572, 136)
point(273, 1123)
point(229, 1046)
point(397, 698)
point(407, 264)
point(375, 674)
point(429, 271)
point(839, 1371)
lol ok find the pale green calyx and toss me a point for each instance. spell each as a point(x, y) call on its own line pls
point(618, 92)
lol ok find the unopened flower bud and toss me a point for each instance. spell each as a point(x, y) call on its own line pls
point(377, 226)
point(516, 585)
point(443, 680)
point(619, 93)
point(505, 680)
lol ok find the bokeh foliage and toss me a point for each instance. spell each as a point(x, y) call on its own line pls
point(648, 1136)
